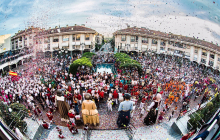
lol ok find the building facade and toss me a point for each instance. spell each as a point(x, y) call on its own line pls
point(5, 43)
point(142, 39)
point(68, 39)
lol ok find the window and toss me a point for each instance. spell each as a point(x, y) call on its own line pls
point(211, 63)
point(55, 39)
point(162, 43)
point(20, 39)
point(203, 60)
point(179, 45)
point(77, 37)
point(74, 38)
point(144, 40)
point(170, 42)
point(87, 37)
point(196, 51)
point(212, 56)
point(66, 38)
point(204, 53)
point(25, 38)
point(123, 38)
point(219, 59)
point(154, 41)
point(161, 48)
point(73, 46)
point(132, 38)
point(136, 38)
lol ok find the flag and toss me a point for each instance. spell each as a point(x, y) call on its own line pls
point(13, 73)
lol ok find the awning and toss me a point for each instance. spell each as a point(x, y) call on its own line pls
point(87, 43)
point(75, 43)
point(65, 44)
point(54, 45)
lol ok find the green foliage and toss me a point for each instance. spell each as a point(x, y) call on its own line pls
point(88, 54)
point(80, 62)
point(97, 47)
point(205, 113)
point(112, 41)
point(3, 74)
point(126, 61)
point(14, 118)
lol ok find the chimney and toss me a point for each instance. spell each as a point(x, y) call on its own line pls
point(83, 25)
point(135, 26)
point(128, 26)
point(67, 25)
point(56, 27)
point(75, 24)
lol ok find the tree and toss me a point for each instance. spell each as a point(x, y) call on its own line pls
point(15, 117)
point(126, 61)
point(88, 54)
point(112, 41)
point(97, 47)
point(80, 62)
point(205, 114)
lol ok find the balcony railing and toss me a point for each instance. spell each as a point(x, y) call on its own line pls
point(14, 57)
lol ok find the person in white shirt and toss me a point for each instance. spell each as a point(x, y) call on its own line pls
point(109, 104)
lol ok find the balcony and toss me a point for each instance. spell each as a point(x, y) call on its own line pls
point(13, 59)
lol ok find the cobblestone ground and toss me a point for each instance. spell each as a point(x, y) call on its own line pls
point(108, 119)
point(160, 131)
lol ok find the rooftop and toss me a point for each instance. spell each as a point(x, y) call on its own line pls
point(42, 31)
point(166, 36)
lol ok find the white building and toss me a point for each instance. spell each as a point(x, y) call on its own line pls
point(142, 39)
point(5, 43)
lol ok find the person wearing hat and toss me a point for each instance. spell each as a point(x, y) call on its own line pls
point(125, 109)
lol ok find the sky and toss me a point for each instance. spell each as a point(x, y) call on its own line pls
point(198, 18)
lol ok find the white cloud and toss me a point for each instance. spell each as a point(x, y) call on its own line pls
point(108, 16)
point(187, 26)
point(80, 7)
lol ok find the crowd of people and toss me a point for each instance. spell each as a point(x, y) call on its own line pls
point(163, 87)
